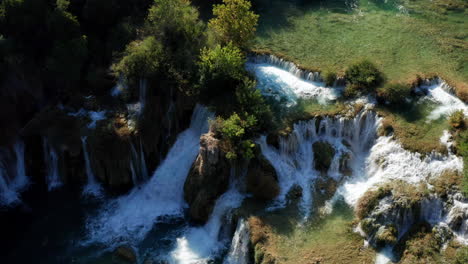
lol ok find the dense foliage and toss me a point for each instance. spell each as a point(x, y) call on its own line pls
point(394, 93)
point(362, 77)
point(234, 22)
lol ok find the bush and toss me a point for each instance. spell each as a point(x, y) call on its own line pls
point(457, 120)
point(234, 22)
point(221, 70)
point(394, 93)
point(362, 77)
point(141, 59)
point(462, 255)
point(235, 132)
point(329, 78)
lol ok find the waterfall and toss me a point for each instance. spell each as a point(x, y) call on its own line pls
point(294, 160)
point(239, 251)
point(131, 217)
point(286, 85)
point(8, 195)
point(138, 165)
point(21, 180)
point(51, 161)
point(201, 244)
point(13, 178)
point(143, 89)
point(92, 187)
point(287, 66)
point(439, 92)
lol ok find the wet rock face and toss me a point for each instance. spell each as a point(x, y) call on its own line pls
point(262, 181)
point(126, 254)
point(323, 155)
point(207, 180)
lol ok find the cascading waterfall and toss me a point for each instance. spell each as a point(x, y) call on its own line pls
point(287, 66)
point(131, 217)
point(8, 194)
point(21, 180)
point(288, 85)
point(13, 178)
point(51, 161)
point(201, 244)
point(441, 93)
point(138, 165)
point(294, 160)
point(92, 187)
point(239, 251)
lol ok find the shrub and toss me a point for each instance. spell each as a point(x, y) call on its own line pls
point(394, 93)
point(234, 22)
point(329, 77)
point(457, 119)
point(141, 60)
point(462, 255)
point(235, 132)
point(221, 70)
point(363, 77)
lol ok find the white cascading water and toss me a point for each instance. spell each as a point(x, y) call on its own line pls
point(138, 165)
point(294, 160)
point(13, 178)
point(8, 195)
point(20, 181)
point(285, 65)
point(201, 244)
point(287, 85)
point(239, 251)
point(51, 161)
point(143, 89)
point(92, 187)
point(439, 92)
point(131, 217)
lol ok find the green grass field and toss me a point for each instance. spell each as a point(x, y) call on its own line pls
point(422, 36)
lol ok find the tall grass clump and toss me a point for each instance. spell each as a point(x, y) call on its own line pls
point(394, 93)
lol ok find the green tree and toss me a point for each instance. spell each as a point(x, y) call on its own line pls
point(236, 132)
point(177, 25)
point(142, 59)
point(234, 22)
point(221, 70)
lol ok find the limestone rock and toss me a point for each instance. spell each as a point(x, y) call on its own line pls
point(207, 180)
point(262, 181)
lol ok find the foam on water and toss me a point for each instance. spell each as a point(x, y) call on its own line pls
point(131, 217)
point(281, 84)
point(201, 244)
point(447, 103)
point(294, 160)
point(389, 161)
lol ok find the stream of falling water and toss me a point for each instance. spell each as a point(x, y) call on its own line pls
point(13, 178)
point(129, 218)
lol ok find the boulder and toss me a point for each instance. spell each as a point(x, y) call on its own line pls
point(323, 155)
point(126, 254)
point(262, 181)
point(207, 179)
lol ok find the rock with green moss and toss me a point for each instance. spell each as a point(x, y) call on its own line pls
point(262, 180)
point(323, 155)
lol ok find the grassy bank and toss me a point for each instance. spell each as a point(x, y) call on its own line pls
point(419, 37)
point(323, 240)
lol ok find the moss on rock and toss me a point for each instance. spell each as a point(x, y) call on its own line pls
point(323, 155)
